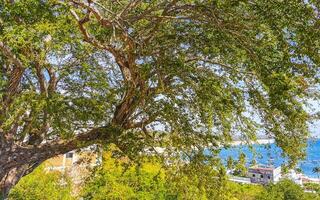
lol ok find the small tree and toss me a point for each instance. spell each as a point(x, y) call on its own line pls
point(253, 162)
point(316, 170)
point(241, 167)
point(230, 163)
point(284, 190)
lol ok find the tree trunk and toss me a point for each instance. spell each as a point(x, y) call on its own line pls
point(9, 179)
point(15, 162)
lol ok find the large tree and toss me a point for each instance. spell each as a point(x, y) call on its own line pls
point(178, 74)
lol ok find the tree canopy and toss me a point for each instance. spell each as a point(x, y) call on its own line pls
point(183, 75)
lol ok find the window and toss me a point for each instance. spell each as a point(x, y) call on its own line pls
point(69, 155)
point(261, 176)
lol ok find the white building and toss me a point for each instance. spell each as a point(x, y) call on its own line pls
point(264, 174)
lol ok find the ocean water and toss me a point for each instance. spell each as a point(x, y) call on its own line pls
point(271, 154)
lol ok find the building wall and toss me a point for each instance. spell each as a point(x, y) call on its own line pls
point(56, 163)
point(262, 176)
point(277, 174)
point(73, 159)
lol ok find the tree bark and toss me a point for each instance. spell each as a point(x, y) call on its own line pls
point(17, 161)
point(9, 179)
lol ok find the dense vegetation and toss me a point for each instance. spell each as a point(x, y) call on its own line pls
point(149, 180)
point(184, 75)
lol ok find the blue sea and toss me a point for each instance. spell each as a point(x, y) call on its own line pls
point(271, 154)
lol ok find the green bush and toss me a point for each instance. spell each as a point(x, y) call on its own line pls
point(286, 190)
point(42, 185)
point(116, 180)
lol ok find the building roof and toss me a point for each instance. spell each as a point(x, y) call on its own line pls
point(263, 167)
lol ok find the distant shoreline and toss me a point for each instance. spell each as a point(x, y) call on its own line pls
point(265, 141)
point(259, 141)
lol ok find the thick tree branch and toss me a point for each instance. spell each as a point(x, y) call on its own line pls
point(96, 13)
point(53, 80)
point(106, 134)
point(41, 79)
point(14, 155)
point(10, 55)
point(16, 73)
point(128, 7)
point(14, 79)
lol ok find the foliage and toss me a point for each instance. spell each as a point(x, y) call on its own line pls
point(194, 181)
point(120, 179)
point(285, 190)
point(230, 163)
point(116, 180)
point(316, 170)
point(237, 191)
point(42, 185)
point(313, 187)
point(149, 180)
point(240, 167)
